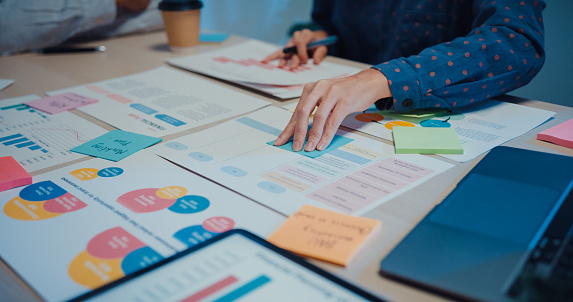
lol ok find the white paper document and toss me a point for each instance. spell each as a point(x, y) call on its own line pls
point(480, 127)
point(5, 83)
point(282, 92)
point(351, 179)
point(242, 64)
point(39, 140)
point(88, 224)
point(162, 101)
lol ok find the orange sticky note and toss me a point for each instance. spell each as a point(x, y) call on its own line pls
point(12, 174)
point(323, 234)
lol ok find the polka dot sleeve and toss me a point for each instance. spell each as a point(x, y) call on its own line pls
point(503, 51)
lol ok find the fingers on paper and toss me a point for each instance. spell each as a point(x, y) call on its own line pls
point(329, 115)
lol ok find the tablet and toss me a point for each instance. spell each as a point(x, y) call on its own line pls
point(236, 265)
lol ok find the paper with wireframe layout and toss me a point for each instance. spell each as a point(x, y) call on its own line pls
point(163, 101)
point(351, 179)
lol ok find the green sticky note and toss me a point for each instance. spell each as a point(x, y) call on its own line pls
point(116, 145)
point(416, 115)
point(426, 140)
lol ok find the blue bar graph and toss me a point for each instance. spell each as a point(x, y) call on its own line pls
point(20, 141)
point(245, 289)
point(6, 138)
point(15, 141)
point(26, 144)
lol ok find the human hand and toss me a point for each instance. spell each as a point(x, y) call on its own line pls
point(133, 5)
point(335, 98)
point(300, 39)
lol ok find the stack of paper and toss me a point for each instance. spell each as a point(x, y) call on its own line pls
point(242, 65)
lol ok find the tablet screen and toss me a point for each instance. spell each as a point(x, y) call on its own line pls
point(234, 267)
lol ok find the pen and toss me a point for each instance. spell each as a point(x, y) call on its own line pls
point(71, 49)
point(326, 41)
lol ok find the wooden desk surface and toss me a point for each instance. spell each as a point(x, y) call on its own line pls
point(38, 73)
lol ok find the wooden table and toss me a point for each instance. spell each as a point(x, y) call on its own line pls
point(38, 73)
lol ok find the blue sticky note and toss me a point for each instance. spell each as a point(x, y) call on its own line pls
point(213, 37)
point(116, 145)
point(337, 142)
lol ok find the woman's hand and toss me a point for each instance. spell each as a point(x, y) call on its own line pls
point(335, 99)
point(300, 39)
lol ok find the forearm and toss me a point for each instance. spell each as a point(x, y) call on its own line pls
point(503, 52)
point(43, 23)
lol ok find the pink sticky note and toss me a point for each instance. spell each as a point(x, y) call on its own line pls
point(561, 134)
point(12, 174)
point(61, 102)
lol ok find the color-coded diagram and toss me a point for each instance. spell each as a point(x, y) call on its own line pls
point(84, 174)
point(110, 255)
point(210, 228)
point(171, 197)
point(42, 200)
point(423, 118)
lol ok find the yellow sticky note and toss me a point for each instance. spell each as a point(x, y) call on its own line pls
point(323, 234)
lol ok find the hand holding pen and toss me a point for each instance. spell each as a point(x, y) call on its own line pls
point(301, 45)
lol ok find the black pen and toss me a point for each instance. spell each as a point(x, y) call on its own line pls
point(71, 49)
point(326, 41)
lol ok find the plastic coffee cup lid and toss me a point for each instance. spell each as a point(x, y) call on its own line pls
point(180, 5)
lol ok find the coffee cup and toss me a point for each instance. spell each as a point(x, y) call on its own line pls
point(181, 21)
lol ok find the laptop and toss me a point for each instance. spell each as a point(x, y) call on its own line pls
point(503, 234)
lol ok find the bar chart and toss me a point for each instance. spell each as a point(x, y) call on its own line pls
point(19, 141)
point(37, 140)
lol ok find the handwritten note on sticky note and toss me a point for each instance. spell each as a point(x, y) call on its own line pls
point(12, 174)
point(324, 234)
point(61, 102)
point(337, 142)
point(561, 134)
point(116, 145)
point(422, 140)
